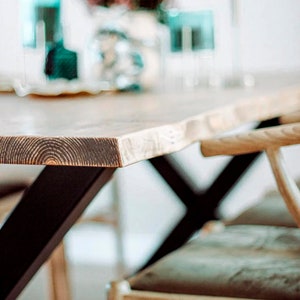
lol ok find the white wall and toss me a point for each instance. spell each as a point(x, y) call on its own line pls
point(10, 49)
point(270, 31)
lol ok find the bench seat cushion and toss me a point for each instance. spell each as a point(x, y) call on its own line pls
point(257, 262)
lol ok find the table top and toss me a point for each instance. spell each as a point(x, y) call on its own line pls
point(115, 130)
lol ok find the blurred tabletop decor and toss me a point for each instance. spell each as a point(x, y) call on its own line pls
point(116, 58)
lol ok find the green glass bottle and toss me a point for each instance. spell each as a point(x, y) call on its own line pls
point(42, 28)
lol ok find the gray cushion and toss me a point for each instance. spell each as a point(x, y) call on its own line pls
point(269, 211)
point(259, 262)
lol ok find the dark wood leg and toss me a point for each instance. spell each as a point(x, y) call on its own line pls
point(46, 212)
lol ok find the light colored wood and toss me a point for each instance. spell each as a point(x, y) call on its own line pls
point(136, 295)
point(117, 289)
point(121, 291)
point(269, 140)
point(118, 228)
point(286, 185)
point(59, 285)
point(121, 129)
point(290, 118)
point(252, 141)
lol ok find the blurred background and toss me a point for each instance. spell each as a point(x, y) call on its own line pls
point(258, 36)
point(244, 38)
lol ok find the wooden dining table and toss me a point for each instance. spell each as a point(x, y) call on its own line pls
point(83, 139)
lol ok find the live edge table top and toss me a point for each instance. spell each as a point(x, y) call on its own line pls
point(115, 130)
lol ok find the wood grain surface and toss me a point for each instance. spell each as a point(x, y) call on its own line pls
point(290, 118)
point(115, 130)
point(253, 141)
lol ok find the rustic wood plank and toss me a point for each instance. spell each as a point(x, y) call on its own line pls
point(252, 141)
point(290, 118)
point(121, 129)
point(286, 184)
point(59, 283)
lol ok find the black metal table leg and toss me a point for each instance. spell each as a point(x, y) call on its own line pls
point(46, 212)
point(201, 206)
